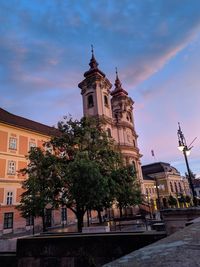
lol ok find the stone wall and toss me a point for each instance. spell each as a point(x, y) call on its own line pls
point(176, 219)
point(79, 250)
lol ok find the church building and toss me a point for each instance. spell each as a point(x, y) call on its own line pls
point(116, 108)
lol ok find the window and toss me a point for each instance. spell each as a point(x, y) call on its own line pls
point(129, 116)
point(171, 187)
point(11, 167)
point(109, 132)
point(150, 190)
point(49, 148)
point(29, 220)
point(8, 220)
point(13, 143)
point(90, 101)
point(64, 214)
point(180, 188)
point(9, 199)
point(134, 166)
point(31, 144)
point(105, 100)
point(176, 188)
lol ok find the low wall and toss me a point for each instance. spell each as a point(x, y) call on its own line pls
point(176, 219)
point(8, 259)
point(180, 249)
point(79, 250)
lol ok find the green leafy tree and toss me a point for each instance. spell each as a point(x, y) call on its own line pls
point(188, 199)
point(84, 172)
point(84, 188)
point(87, 139)
point(126, 188)
point(172, 201)
point(42, 186)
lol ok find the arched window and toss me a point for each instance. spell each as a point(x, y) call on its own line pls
point(109, 132)
point(105, 100)
point(171, 187)
point(90, 101)
point(180, 187)
point(134, 166)
point(129, 116)
point(176, 188)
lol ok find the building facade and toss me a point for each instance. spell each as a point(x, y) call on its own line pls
point(162, 180)
point(17, 136)
point(116, 108)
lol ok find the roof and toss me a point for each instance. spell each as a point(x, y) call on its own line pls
point(147, 177)
point(20, 122)
point(158, 167)
point(196, 182)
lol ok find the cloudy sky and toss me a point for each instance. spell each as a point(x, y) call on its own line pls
point(45, 49)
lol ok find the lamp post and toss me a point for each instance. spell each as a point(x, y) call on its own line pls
point(158, 193)
point(149, 204)
point(159, 207)
point(182, 146)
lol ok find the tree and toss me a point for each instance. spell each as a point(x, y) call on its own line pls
point(86, 139)
point(42, 186)
point(84, 187)
point(188, 199)
point(172, 201)
point(126, 189)
point(84, 172)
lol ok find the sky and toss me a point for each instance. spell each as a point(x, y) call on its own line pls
point(45, 47)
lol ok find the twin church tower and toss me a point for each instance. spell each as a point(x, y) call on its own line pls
point(116, 107)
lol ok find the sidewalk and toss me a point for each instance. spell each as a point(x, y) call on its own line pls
point(8, 242)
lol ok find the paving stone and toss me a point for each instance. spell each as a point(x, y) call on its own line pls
point(181, 249)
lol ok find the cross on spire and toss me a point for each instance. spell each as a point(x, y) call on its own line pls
point(92, 49)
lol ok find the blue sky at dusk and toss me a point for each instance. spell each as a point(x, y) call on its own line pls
point(45, 49)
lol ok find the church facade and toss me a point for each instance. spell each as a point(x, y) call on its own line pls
point(116, 108)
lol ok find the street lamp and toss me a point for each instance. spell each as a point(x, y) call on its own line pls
point(149, 204)
point(158, 193)
point(182, 146)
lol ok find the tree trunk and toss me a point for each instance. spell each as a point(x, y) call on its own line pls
point(120, 211)
point(126, 215)
point(88, 218)
point(33, 225)
point(43, 222)
point(79, 215)
point(99, 216)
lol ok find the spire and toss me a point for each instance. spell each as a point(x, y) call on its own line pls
point(118, 86)
point(93, 65)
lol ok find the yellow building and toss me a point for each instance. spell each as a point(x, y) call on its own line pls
point(162, 180)
point(17, 136)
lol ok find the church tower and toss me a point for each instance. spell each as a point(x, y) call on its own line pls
point(95, 90)
point(125, 134)
point(117, 112)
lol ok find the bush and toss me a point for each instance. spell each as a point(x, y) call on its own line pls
point(172, 201)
